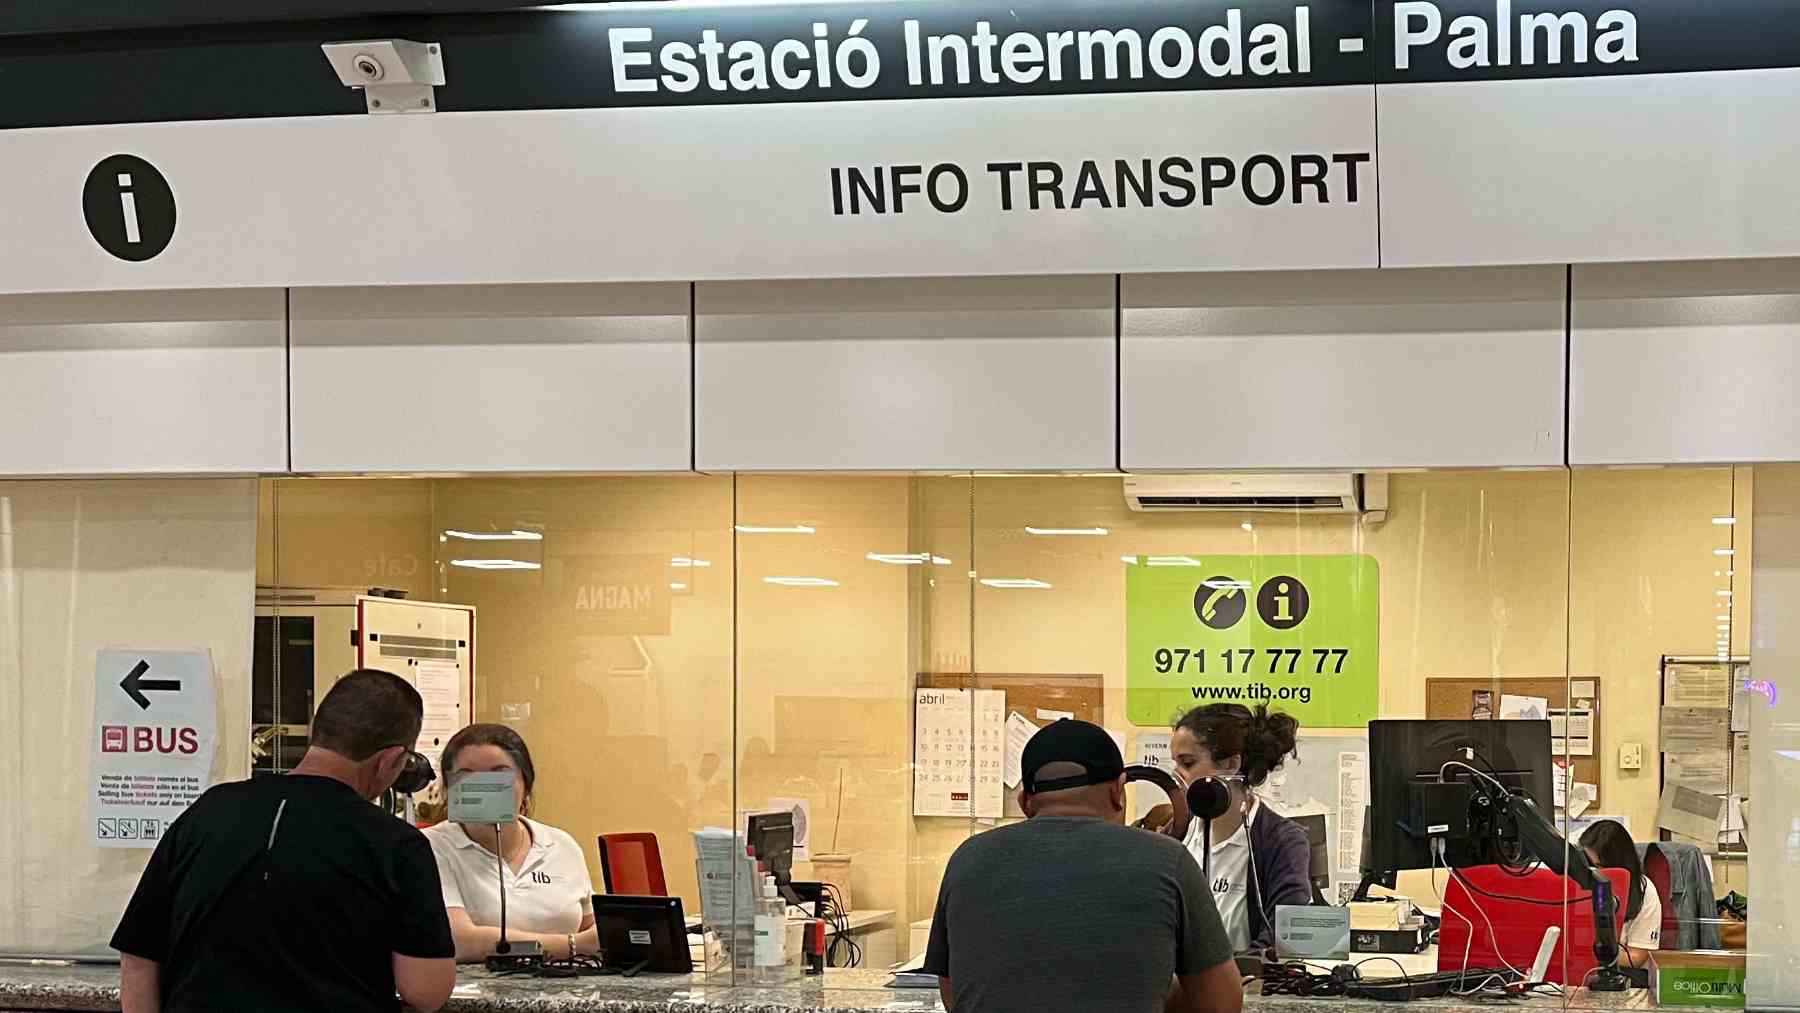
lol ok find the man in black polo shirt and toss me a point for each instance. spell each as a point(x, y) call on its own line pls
point(293, 892)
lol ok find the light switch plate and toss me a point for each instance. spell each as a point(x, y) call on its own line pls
point(1631, 756)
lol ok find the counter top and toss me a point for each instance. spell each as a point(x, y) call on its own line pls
point(95, 989)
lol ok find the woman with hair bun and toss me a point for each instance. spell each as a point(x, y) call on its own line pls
point(1259, 858)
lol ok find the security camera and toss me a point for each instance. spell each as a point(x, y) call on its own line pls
point(395, 75)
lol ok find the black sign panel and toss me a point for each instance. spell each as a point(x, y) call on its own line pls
point(951, 49)
point(1486, 40)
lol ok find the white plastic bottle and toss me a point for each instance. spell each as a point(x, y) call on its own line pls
point(771, 935)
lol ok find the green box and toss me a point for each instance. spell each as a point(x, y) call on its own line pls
point(1697, 978)
point(1300, 633)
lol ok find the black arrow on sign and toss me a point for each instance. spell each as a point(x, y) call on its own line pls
point(135, 685)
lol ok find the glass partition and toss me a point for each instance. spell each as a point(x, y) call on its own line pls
point(601, 630)
point(1658, 628)
point(1424, 595)
point(858, 651)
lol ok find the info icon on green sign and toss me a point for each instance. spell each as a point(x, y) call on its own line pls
point(1299, 633)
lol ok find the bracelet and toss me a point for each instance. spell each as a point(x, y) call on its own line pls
point(571, 944)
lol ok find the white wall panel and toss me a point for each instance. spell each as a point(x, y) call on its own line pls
point(1342, 369)
point(1685, 362)
point(1635, 167)
point(151, 382)
point(906, 374)
point(492, 378)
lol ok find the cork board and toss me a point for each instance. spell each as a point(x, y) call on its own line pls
point(1081, 695)
point(1455, 698)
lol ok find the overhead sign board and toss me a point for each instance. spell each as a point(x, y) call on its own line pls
point(937, 137)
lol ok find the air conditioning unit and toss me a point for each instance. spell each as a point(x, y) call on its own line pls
point(1297, 492)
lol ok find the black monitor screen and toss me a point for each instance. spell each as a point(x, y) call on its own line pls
point(642, 934)
point(772, 838)
point(1400, 752)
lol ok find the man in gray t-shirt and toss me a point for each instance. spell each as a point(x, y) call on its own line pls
point(1071, 909)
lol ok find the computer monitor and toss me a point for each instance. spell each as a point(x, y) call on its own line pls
point(1406, 753)
point(1319, 864)
point(771, 838)
point(642, 934)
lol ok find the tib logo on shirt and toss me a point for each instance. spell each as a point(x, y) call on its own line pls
point(540, 877)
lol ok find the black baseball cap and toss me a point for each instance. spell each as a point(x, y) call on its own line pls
point(1071, 741)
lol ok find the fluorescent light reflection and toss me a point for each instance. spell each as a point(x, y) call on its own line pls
point(685, 561)
point(496, 564)
point(1067, 531)
point(800, 581)
point(1014, 582)
point(515, 535)
point(788, 529)
point(906, 558)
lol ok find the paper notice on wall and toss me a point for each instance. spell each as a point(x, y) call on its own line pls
point(1154, 750)
point(990, 752)
point(1690, 812)
point(1583, 689)
point(1688, 729)
point(1707, 770)
point(1571, 731)
point(1696, 686)
point(155, 730)
point(1353, 796)
point(1048, 716)
point(1274, 791)
point(1578, 825)
point(1731, 823)
point(1523, 708)
point(959, 752)
point(1581, 797)
point(802, 812)
point(1481, 704)
point(1563, 774)
point(438, 683)
point(1019, 731)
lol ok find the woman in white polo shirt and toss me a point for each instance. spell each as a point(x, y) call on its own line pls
point(549, 894)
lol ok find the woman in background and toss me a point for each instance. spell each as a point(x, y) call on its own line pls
point(549, 894)
point(1259, 858)
point(1609, 846)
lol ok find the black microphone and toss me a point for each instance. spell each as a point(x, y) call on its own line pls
point(1207, 800)
point(501, 947)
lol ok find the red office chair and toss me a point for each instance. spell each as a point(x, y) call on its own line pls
point(631, 864)
point(1656, 870)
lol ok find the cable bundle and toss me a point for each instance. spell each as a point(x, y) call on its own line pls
point(842, 951)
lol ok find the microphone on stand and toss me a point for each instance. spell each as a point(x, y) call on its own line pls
point(1207, 800)
point(487, 798)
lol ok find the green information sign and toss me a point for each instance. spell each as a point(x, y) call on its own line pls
point(1300, 633)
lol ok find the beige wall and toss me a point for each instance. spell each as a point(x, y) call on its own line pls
point(84, 566)
point(644, 734)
